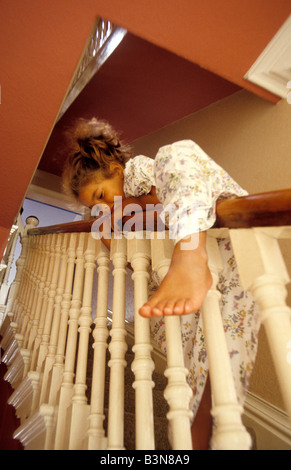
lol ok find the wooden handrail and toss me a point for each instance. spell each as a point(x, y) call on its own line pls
point(258, 210)
point(270, 209)
point(70, 227)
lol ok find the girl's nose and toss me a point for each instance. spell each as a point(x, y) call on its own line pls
point(101, 209)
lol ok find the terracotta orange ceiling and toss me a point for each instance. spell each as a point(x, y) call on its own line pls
point(139, 89)
point(41, 43)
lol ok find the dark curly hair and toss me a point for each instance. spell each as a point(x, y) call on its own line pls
point(93, 145)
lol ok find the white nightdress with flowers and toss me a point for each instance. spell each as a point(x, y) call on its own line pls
point(185, 177)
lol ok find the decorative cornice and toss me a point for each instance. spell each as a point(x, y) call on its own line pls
point(272, 69)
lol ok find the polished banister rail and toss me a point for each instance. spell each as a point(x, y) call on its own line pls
point(269, 209)
point(45, 396)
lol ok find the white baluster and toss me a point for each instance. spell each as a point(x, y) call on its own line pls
point(117, 347)
point(58, 368)
point(263, 272)
point(177, 393)
point(44, 262)
point(66, 393)
point(10, 250)
point(40, 344)
point(41, 313)
point(31, 222)
point(100, 333)
point(31, 290)
point(28, 306)
point(39, 354)
point(229, 434)
point(15, 286)
point(10, 324)
point(37, 268)
point(15, 356)
point(139, 257)
point(49, 360)
point(80, 410)
point(56, 257)
point(24, 294)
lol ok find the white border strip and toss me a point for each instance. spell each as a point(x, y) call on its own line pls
point(272, 69)
point(271, 425)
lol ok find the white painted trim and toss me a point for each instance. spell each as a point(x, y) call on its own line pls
point(50, 197)
point(32, 432)
point(271, 425)
point(272, 69)
point(47, 188)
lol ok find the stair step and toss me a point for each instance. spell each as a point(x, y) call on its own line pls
point(160, 429)
point(159, 379)
point(159, 403)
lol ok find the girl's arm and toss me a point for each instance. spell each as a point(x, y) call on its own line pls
point(118, 211)
point(142, 201)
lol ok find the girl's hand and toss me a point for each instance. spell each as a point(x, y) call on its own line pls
point(116, 216)
point(119, 210)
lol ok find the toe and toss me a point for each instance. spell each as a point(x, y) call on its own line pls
point(189, 307)
point(146, 311)
point(158, 309)
point(169, 307)
point(179, 307)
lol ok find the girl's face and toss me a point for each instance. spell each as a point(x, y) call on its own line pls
point(102, 190)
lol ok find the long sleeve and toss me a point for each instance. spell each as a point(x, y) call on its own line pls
point(138, 176)
point(189, 183)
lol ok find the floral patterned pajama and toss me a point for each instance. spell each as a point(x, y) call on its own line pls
point(187, 179)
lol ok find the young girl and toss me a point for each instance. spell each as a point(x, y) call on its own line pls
point(99, 168)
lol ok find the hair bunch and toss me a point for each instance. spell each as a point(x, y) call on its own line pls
point(92, 146)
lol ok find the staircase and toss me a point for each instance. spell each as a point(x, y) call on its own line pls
point(159, 402)
point(50, 302)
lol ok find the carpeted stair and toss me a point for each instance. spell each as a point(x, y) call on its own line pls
point(159, 402)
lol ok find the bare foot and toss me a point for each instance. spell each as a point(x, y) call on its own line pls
point(184, 287)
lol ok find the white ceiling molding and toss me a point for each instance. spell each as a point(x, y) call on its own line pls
point(272, 69)
point(102, 42)
point(47, 188)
